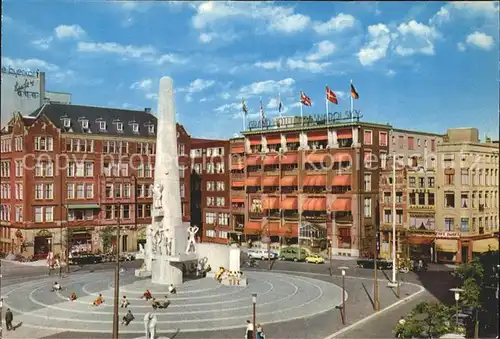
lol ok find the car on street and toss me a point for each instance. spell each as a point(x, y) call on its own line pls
point(262, 254)
point(315, 259)
point(293, 253)
point(369, 263)
point(85, 259)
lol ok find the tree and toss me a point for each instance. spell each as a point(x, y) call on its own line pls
point(107, 234)
point(427, 320)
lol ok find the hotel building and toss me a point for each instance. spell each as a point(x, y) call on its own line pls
point(310, 182)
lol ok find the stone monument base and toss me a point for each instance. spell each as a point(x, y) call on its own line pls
point(142, 273)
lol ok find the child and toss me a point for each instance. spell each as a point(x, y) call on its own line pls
point(56, 287)
point(125, 302)
point(99, 300)
point(72, 297)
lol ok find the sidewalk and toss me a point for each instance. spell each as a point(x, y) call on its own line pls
point(38, 263)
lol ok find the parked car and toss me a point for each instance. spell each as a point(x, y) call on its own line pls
point(292, 253)
point(368, 263)
point(315, 259)
point(262, 254)
point(85, 259)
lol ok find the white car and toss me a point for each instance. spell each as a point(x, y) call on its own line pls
point(260, 254)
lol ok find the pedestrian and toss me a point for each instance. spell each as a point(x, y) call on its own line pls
point(125, 302)
point(128, 318)
point(56, 287)
point(8, 319)
point(171, 289)
point(260, 332)
point(249, 330)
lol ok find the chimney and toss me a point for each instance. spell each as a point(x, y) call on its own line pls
point(147, 110)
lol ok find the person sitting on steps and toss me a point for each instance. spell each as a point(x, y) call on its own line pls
point(165, 303)
point(56, 287)
point(171, 289)
point(72, 297)
point(147, 295)
point(128, 318)
point(125, 302)
point(99, 300)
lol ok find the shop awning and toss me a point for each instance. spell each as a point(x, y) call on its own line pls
point(447, 245)
point(252, 227)
point(420, 240)
point(289, 180)
point(254, 161)
point(237, 200)
point(273, 139)
point(316, 158)
point(271, 181)
point(289, 159)
point(237, 166)
point(485, 245)
point(344, 134)
point(292, 137)
point(342, 157)
point(255, 141)
point(341, 180)
point(289, 230)
point(272, 160)
point(314, 204)
point(238, 184)
point(317, 136)
point(271, 203)
point(273, 227)
point(290, 203)
point(341, 205)
point(253, 181)
point(82, 206)
point(314, 180)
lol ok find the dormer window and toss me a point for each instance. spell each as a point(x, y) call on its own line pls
point(67, 122)
point(102, 125)
point(85, 124)
point(135, 128)
point(119, 126)
point(151, 129)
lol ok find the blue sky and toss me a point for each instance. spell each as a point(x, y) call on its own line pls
point(426, 66)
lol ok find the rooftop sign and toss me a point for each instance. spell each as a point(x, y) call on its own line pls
point(305, 121)
point(19, 71)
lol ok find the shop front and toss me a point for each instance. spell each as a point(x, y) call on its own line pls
point(484, 245)
point(447, 247)
point(42, 244)
point(80, 241)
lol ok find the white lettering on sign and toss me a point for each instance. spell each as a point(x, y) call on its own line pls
point(443, 234)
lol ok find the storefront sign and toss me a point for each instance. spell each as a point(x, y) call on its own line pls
point(308, 120)
point(19, 71)
point(441, 234)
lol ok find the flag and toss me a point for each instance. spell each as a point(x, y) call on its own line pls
point(354, 94)
point(305, 100)
point(244, 107)
point(262, 115)
point(330, 96)
point(280, 106)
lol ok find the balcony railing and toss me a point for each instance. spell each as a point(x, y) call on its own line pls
point(345, 219)
point(274, 215)
point(255, 215)
point(291, 216)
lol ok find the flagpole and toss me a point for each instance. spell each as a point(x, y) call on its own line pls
point(326, 103)
point(352, 104)
point(261, 115)
point(301, 113)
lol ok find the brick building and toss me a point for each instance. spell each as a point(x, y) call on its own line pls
point(82, 168)
point(305, 181)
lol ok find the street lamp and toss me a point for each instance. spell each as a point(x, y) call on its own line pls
point(254, 302)
point(457, 292)
point(343, 269)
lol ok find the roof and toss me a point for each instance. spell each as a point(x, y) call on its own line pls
point(111, 117)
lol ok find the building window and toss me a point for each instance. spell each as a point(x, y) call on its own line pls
point(421, 199)
point(430, 182)
point(413, 199)
point(19, 214)
point(119, 126)
point(382, 137)
point(19, 168)
point(399, 217)
point(151, 129)
point(70, 191)
point(368, 182)
point(399, 197)
point(38, 191)
point(210, 233)
point(412, 181)
point(465, 176)
point(223, 219)
point(411, 143)
point(368, 137)
point(387, 197)
point(181, 149)
point(49, 214)
point(368, 207)
point(449, 199)
point(183, 191)
point(449, 224)
point(108, 214)
point(44, 144)
point(464, 224)
point(383, 160)
point(210, 218)
point(126, 211)
point(421, 182)
point(221, 202)
point(19, 192)
point(387, 216)
point(135, 128)
point(430, 199)
point(220, 186)
point(89, 191)
point(80, 191)
point(102, 125)
point(38, 214)
point(49, 191)
point(223, 234)
point(464, 200)
point(449, 179)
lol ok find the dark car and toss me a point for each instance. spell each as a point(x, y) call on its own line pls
point(85, 259)
point(381, 264)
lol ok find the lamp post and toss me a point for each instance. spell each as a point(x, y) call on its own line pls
point(117, 277)
point(457, 292)
point(343, 270)
point(254, 303)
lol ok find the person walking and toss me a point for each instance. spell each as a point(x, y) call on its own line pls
point(9, 317)
point(128, 318)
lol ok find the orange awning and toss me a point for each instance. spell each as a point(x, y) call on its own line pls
point(271, 203)
point(255, 141)
point(289, 159)
point(317, 136)
point(314, 204)
point(420, 240)
point(238, 149)
point(253, 160)
point(290, 203)
point(344, 133)
point(341, 205)
point(252, 227)
point(272, 160)
point(271, 181)
point(292, 137)
point(253, 181)
point(273, 227)
point(341, 180)
point(238, 184)
point(273, 139)
point(237, 166)
point(342, 157)
point(315, 158)
point(289, 180)
point(238, 200)
point(314, 180)
point(289, 230)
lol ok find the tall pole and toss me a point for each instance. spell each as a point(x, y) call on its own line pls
point(117, 276)
point(301, 111)
point(254, 316)
point(343, 294)
point(352, 105)
point(376, 302)
point(394, 217)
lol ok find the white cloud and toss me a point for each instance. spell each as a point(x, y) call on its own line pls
point(205, 38)
point(69, 32)
point(390, 73)
point(272, 104)
point(480, 40)
point(152, 96)
point(188, 98)
point(337, 23)
point(321, 50)
point(415, 37)
point(227, 108)
point(31, 64)
point(224, 95)
point(461, 46)
point(269, 64)
point(43, 44)
point(310, 66)
point(268, 86)
point(290, 23)
point(144, 85)
point(197, 85)
point(466, 9)
point(377, 46)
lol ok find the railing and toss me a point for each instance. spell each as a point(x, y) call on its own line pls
point(347, 219)
point(274, 215)
point(291, 216)
point(255, 215)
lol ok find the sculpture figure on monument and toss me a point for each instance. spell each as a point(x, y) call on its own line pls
point(158, 242)
point(150, 321)
point(158, 195)
point(191, 243)
point(167, 239)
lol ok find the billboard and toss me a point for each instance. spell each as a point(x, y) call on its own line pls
point(21, 92)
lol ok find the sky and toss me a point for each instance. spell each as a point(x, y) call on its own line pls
point(426, 66)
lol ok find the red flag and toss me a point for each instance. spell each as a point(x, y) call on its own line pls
point(330, 96)
point(305, 100)
point(354, 94)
